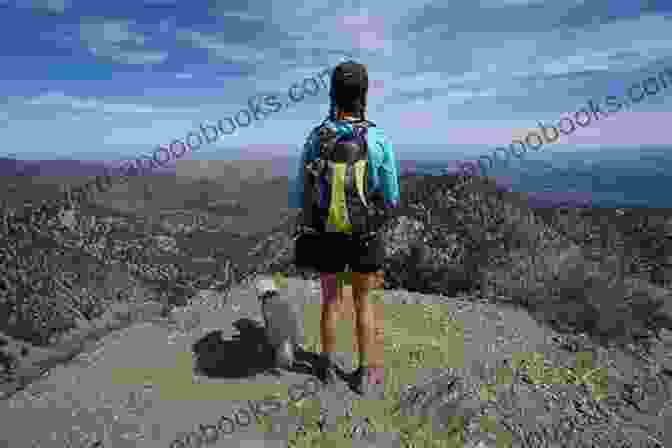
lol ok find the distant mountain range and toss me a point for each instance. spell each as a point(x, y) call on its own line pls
point(639, 177)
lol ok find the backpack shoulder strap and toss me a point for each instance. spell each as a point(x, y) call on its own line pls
point(328, 135)
point(327, 138)
point(367, 123)
point(363, 123)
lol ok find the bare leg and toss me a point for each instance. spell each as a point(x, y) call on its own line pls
point(330, 312)
point(370, 354)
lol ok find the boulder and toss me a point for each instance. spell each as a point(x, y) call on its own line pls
point(83, 324)
point(121, 311)
point(283, 322)
point(65, 340)
point(114, 324)
point(186, 318)
point(147, 311)
point(567, 258)
point(76, 335)
point(661, 351)
point(99, 328)
point(662, 354)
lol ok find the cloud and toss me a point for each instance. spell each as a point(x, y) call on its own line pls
point(97, 105)
point(218, 47)
point(115, 40)
point(416, 120)
point(110, 32)
point(130, 57)
point(463, 73)
point(505, 3)
point(366, 32)
point(54, 6)
point(625, 128)
point(242, 16)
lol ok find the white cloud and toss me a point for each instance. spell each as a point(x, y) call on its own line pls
point(242, 16)
point(504, 3)
point(216, 45)
point(459, 65)
point(96, 105)
point(115, 40)
point(419, 82)
point(58, 6)
point(130, 57)
point(110, 32)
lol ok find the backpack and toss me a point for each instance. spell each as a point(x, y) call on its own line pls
point(336, 197)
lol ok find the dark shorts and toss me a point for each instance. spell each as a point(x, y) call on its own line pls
point(332, 252)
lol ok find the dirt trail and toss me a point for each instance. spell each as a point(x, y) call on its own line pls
point(98, 397)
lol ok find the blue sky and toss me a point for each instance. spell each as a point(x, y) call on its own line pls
point(113, 79)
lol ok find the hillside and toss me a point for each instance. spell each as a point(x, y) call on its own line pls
point(168, 240)
point(110, 405)
point(472, 232)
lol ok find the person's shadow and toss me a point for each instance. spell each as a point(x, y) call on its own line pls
point(245, 355)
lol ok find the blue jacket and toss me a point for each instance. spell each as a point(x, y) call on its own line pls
point(383, 171)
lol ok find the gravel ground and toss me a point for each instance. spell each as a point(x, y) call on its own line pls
point(80, 401)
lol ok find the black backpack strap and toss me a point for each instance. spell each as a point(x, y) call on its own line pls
point(363, 123)
point(359, 121)
point(328, 138)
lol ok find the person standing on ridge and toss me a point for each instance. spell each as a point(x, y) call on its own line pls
point(346, 187)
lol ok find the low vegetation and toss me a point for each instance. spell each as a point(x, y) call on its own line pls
point(603, 274)
point(426, 336)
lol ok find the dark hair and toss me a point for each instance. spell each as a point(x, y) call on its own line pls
point(349, 86)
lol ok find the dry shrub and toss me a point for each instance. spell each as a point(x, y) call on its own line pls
point(568, 289)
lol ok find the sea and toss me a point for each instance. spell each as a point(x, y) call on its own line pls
point(588, 176)
point(585, 177)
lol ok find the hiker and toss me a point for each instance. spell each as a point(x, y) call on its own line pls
point(345, 196)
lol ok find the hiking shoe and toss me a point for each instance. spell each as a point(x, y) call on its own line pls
point(368, 379)
point(328, 369)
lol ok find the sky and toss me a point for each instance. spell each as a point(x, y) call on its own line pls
point(108, 80)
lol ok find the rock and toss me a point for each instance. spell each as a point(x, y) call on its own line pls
point(114, 324)
point(68, 342)
point(662, 353)
point(76, 335)
point(186, 318)
point(99, 328)
point(479, 444)
point(666, 337)
point(664, 314)
point(83, 324)
point(147, 311)
point(282, 319)
point(284, 355)
point(28, 373)
point(107, 315)
point(100, 323)
point(429, 397)
point(568, 257)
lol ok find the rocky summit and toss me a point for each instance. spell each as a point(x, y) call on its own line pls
point(76, 272)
